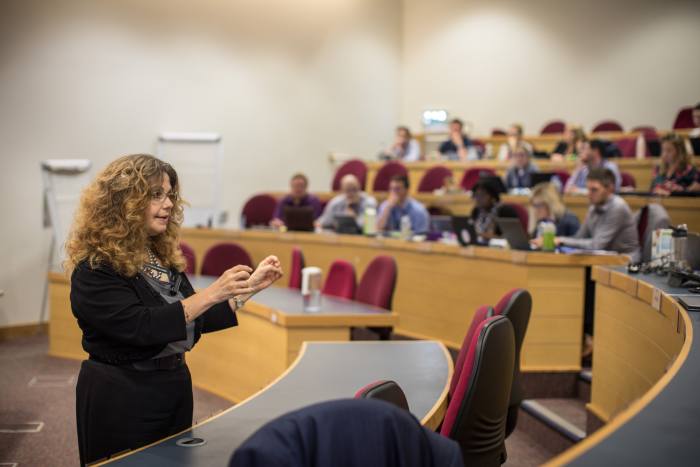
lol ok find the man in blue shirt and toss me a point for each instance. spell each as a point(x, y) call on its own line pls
point(591, 158)
point(399, 204)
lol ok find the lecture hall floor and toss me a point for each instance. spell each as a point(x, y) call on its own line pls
point(39, 388)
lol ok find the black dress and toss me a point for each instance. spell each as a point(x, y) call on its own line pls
point(123, 400)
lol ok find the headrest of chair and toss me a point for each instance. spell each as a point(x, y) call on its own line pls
point(388, 391)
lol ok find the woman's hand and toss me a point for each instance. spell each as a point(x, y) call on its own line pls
point(234, 281)
point(268, 271)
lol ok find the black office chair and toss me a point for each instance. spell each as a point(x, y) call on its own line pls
point(388, 391)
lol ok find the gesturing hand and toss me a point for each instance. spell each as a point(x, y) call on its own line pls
point(268, 271)
point(234, 281)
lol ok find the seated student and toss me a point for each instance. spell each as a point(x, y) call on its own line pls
point(449, 187)
point(405, 147)
point(458, 145)
point(547, 206)
point(351, 201)
point(693, 141)
point(568, 148)
point(487, 207)
point(298, 197)
point(399, 204)
point(515, 140)
point(522, 167)
point(609, 223)
point(591, 157)
point(676, 172)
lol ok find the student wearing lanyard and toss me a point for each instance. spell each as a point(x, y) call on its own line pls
point(138, 312)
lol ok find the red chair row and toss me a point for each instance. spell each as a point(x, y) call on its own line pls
point(217, 259)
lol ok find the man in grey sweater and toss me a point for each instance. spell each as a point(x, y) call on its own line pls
point(609, 223)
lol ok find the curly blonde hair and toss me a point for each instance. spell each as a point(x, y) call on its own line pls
point(110, 224)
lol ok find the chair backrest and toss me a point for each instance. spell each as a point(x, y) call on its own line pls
point(433, 178)
point(472, 175)
point(384, 174)
point(190, 257)
point(378, 282)
point(627, 180)
point(388, 391)
point(476, 414)
point(298, 264)
point(223, 256)
point(627, 147)
point(607, 125)
point(480, 315)
point(563, 176)
point(648, 131)
point(649, 218)
point(348, 433)
point(340, 281)
point(259, 210)
point(498, 132)
point(355, 167)
point(555, 126)
point(684, 119)
point(516, 305)
point(521, 211)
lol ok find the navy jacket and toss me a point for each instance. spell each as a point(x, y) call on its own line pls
point(347, 433)
point(124, 320)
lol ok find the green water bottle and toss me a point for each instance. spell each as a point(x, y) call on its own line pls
point(548, 233)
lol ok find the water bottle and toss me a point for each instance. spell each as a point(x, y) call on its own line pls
point(311, 289)
point(680, 242)
point(369, 226)
point(549, 231)
point(406, 227)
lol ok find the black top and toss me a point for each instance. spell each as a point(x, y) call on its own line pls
point(124, 320)
point(448, 146)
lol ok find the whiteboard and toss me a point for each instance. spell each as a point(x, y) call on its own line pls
point(64, 180)
point(198, 160)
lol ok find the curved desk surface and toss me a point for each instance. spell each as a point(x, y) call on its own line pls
point(659, 426)
point(323, 371)
point(439, 286)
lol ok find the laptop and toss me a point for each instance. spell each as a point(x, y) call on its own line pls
point(513, 231)
point(695, 144)
point(300, 218)
point(540, 177)
point(440, 224)
point(344, 224)
point(463, 227)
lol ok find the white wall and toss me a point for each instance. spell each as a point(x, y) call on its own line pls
point(283, 82)
point(493, 62)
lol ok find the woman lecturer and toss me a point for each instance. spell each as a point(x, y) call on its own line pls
point(137, 310)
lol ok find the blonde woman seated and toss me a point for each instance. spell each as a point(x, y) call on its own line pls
point(546, 206)
point(515, 140)
point(676, 172)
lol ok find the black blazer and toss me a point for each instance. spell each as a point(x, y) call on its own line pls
point(124, 320)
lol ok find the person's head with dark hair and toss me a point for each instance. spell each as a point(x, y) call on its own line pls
point(298, 185)
point(696, 115)
point(456, 125)
point(596, 152)
point(601, 185)
point(486, 194)
point(398, 187)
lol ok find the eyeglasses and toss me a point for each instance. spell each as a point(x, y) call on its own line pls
point(158, 196)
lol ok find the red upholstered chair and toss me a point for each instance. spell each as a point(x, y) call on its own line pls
point(627, 180)
point(340, 281)
point(471, 176)
point(190, 257)
point(480, 315)
point(223, 256)
point(627, 147)
point(476, 414)
point(684, 119)
point(498, 132)
point(522, 213)
point(555, 126)
point(516, 305)
point(355, 167)
point(298, 264)
point(648, 131)
point(259, 210)
point(384, 174)
point(433, 178)
point(377, 287)
point(388, 391)
point(607, 125)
